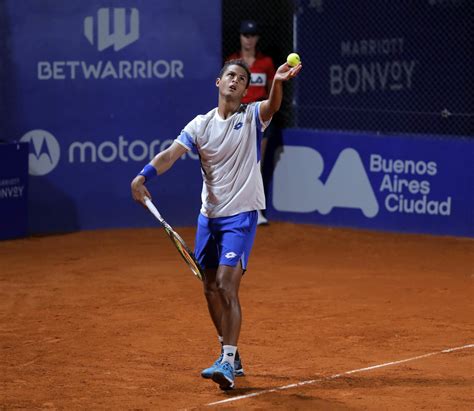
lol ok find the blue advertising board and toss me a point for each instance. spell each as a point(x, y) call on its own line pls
point(393, 66)
point(13, 190)
point(420, 184)
point(100, 88)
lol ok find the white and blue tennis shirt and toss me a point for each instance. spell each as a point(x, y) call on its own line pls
point(229, 151)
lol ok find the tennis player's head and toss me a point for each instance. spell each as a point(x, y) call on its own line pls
point(233, 80)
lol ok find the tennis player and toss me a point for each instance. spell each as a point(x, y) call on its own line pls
point(227, 139)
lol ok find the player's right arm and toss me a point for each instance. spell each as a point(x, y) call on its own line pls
point(160, 164)
point(165, 159)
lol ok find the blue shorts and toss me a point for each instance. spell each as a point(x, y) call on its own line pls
point(225, 240)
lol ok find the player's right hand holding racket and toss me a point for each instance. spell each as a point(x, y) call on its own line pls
point(139, 190)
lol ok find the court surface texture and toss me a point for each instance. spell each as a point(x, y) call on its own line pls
point(333, 319)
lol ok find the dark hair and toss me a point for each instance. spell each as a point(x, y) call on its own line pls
point(237, 62)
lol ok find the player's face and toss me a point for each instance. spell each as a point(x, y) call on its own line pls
point(233, 83)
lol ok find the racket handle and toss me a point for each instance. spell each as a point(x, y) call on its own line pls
point(152, 208)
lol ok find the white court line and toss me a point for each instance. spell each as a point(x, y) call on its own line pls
point(373, 367)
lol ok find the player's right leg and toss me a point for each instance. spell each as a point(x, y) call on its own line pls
point(206, 252)
point(213, 299)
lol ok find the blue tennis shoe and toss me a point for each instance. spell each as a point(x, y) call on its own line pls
point(238, 369)
point(224, 376)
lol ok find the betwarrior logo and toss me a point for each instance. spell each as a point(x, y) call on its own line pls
point(119, 37)
point(44, 152)
point(297, 187)
point(112, 27)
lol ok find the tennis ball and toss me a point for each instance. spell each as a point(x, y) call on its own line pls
point(293, 59)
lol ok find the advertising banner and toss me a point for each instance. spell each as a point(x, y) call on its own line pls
point(13, 190)
point(100, 88)
point(395, 66)
point(420, 184)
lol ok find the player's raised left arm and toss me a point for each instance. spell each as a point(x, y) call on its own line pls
point(270, 106)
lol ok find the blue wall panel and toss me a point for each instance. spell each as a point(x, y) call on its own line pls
point(13, 190)
point(393, 66)
point(421, 184)
point(97, 91)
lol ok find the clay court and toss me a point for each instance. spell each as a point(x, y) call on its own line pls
point(115, 320)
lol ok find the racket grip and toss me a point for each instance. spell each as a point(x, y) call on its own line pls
point(152, 208)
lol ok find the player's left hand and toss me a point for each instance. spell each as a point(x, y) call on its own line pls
point(285, 72)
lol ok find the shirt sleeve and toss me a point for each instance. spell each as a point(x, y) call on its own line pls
point(187, 137)
point(186, 140)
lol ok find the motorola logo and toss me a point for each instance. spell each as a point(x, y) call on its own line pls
point(44, 152)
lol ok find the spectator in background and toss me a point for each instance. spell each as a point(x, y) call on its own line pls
point(262, 72)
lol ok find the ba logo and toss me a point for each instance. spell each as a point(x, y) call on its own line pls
point(44, 152)
point(119, 37)
point(297, 186)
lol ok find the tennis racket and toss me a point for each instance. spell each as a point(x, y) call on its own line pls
point(179, 243)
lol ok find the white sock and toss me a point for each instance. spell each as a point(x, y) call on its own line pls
point(229, 354)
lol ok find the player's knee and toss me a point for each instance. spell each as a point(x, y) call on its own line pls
point(227, 292)
point(210, 289)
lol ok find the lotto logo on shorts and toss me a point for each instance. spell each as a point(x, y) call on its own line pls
point(230, 255)
point(297, 187)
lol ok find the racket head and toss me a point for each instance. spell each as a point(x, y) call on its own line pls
point(186, 253)
point(178, 242)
